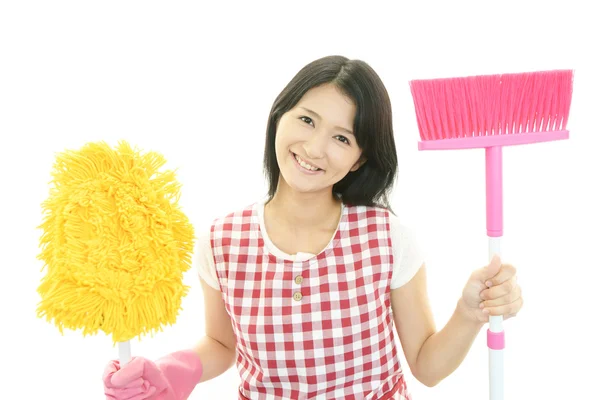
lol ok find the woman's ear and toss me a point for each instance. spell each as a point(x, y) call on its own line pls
point(358, 164)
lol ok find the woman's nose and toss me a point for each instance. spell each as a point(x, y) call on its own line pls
point(316, 145)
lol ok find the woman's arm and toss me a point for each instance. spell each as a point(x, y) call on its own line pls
point(217, 349)
point(431, 355)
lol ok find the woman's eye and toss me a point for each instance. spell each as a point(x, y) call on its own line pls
point(343, 139)
point(308, 118)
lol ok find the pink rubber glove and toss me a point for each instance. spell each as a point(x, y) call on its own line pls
point(172, 377)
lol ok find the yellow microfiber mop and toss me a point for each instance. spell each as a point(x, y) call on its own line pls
point(115, 244)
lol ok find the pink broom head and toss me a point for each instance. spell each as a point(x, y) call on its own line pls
point(492, 110)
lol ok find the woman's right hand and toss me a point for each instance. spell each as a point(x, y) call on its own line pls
point(140, 379)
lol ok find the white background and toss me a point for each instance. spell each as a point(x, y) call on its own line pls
point(196, 82)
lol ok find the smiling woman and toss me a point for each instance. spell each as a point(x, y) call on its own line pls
point(315, 147)
point(307, 289)
point(333, 106)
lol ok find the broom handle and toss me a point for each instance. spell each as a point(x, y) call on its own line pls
point(495, 333)
point(495, 339)
point(124, 353)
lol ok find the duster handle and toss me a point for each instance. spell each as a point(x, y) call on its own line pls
point(124, 353)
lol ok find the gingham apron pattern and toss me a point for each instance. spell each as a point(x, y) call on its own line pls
point(315, 329)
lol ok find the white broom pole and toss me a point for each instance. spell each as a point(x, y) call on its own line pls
point(495, 338)
point(494, 210)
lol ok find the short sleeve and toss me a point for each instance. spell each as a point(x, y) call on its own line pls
point(407, 251)
point(204, 262)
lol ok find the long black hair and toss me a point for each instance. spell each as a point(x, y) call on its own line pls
point(371, 184)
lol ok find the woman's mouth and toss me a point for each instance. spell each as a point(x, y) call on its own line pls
point(305, 166)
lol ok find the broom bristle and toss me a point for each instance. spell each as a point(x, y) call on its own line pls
point(489, 105)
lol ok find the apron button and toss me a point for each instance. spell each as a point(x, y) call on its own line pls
point(297, 296)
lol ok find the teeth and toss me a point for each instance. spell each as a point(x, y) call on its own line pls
point(305, 165)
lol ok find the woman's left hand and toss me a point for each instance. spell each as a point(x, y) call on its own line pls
point(491, 290)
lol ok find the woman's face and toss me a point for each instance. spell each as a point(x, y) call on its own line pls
point(314, 143)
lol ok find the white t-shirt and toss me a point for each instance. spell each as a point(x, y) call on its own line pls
point(408, 254)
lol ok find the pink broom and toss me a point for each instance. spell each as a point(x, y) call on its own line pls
point(491, 111)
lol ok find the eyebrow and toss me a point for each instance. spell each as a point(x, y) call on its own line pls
point(338, 127)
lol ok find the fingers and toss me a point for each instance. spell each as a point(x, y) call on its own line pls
point(507, 271)
point(500, 290)
point(507, 310)
point(489, 271)
point(141, 392)
point(119, 378)
point(147, 392)
point(506, 299)
point(503, 299)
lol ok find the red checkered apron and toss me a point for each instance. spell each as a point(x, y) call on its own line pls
point(315, 329)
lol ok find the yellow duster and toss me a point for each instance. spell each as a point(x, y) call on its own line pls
point(115, 243)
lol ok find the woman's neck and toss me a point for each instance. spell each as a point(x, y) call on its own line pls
point(303, 211)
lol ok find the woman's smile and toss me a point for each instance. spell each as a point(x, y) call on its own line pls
point(305, 166)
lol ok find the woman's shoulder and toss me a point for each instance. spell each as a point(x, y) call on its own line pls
point(386, 215)
point(228, 223)
point(236, 216)
point(374, 211)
